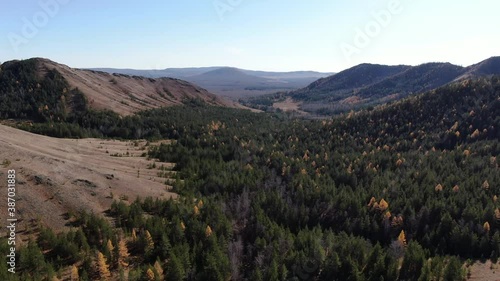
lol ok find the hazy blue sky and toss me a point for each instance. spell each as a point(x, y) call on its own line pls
point(323, 35)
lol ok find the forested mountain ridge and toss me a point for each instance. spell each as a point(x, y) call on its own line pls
point(490, 66)
point(408, 80)
point(449, 115)
point(368, 85)
point(35, 87)
point(357, 77)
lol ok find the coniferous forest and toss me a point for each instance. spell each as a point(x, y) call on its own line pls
point(403, 191)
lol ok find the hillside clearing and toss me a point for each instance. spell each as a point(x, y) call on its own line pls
point(56, 176)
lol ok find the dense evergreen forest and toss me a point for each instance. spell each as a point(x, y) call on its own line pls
point(405, 191)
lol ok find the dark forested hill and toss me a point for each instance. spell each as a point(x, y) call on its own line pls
point(344, 83)
point(382, 86)
point(417, 79)
point(462, 112)
point(490, 66)
point(367, 85)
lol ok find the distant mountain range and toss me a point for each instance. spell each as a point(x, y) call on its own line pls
point(229, 81)
point(371, 84)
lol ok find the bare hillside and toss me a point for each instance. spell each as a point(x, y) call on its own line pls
point(55, 176)
point(128, 94)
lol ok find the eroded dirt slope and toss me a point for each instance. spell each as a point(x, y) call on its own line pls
point(128, 94)
point(55, 176)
